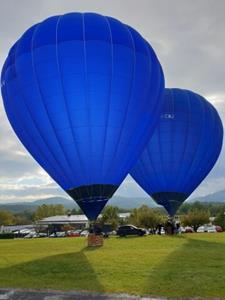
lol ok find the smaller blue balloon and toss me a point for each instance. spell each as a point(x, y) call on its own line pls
point(183, 149)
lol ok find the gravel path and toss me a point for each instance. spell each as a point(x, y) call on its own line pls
point(23, 294)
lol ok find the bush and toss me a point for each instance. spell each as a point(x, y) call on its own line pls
point(220, 220)
point(195, 219)
point(6, 235)
point(146, 217)
point(110, 215)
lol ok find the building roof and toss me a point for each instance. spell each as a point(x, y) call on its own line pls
point(11, 228)
point(124, 215)
point(64, 219)
point(72, 219)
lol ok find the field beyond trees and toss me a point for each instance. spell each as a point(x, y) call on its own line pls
point(182, 266)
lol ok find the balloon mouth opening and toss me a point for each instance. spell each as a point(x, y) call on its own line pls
point(171, 201)
point(92, 198)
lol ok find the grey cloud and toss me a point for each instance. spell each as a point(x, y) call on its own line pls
point(14, 193)
point(14, 161)
point(15, 166)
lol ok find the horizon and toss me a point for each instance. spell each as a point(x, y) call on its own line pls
point(66, 197)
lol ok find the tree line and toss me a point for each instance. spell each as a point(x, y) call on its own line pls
point(193, 214)
point(42, 211)
point(28, 217)
point(144, 216)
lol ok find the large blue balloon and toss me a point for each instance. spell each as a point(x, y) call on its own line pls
point(183, 149)
point(82, 92)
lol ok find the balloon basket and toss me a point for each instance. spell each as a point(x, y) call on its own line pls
point(95, 240)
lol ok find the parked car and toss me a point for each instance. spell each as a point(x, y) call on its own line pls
point(112, 232)
point(31, 235)
point(211, 229)
point(74, 233)
point(22, 232)
point(42, 234)
point(58, 234)
point(201, 229)
point(189, 229)
point(163, 231)
point(219, 228)
point(182, 229)
point(130, 230)
point(84, 233)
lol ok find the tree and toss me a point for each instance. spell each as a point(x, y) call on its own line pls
point(6, 218)
point(195, 218)
point(28, 215)
point(110, 215)
point(45, 211)
point(220, 220)
point(187, 207)
point(146, 217)
point(23, 218)
point(76, 211)
point(20, 219)
point(213, 208)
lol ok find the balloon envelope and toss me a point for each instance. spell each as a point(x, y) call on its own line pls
point(183, 149)
point(77, 93)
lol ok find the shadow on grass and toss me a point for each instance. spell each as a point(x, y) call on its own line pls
point(130, 237)
point(92, 249)
point(65, 271)
point(197, 268)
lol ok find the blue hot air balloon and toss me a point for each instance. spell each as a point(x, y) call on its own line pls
point(183, 149)
point(77, 93)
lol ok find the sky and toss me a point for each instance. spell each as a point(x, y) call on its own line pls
point(188, 37)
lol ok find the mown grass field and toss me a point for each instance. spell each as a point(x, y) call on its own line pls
point(183, 266)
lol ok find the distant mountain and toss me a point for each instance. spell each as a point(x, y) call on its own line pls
point(32, 206)
point(18, 207)
point(122, 202)
point(217, 197)
point(131, 202)
point(68, 203)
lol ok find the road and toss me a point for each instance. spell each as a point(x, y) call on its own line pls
point(22, 294)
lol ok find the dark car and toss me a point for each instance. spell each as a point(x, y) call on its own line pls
point(130, 230)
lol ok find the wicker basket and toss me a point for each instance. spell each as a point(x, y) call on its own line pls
point(95, 240)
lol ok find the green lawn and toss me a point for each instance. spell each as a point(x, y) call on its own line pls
point(184, 266)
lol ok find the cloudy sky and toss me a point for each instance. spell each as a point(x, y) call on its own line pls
point(188, 37)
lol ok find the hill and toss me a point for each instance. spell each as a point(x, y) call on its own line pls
point(131, 202)
point(18, 207)
point(122, 202)
point(217, 197)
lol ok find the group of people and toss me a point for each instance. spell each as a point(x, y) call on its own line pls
point(170, 227)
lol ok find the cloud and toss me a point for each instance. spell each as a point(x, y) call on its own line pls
point(13, 192)
point(188, 37)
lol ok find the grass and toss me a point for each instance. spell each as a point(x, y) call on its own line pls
point(185, 266)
